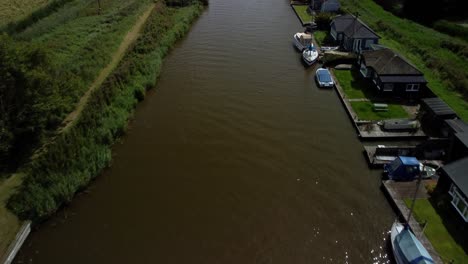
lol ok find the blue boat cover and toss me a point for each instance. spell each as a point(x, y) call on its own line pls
point(403, 168)
point(410, 249)
point(409, 160)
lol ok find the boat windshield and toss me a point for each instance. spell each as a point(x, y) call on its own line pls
point(324, 76)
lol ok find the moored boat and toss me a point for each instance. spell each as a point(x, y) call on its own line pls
point(406, 247)
point(310, 55)
point(302, 40)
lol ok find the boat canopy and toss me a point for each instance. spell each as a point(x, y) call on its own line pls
point(403, 168)
point(410, 249)
point(305, 39)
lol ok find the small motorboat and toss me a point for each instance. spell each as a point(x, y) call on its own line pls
point(406, 247)
point(302, 40)
point(310, 55)
point(329, 48)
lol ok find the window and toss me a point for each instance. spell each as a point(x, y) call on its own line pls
point(452, 190)
point(388, 87)
point(333, 32)
point(460, 204)
point(412, 87)
point(369, 42)
point(364, 71)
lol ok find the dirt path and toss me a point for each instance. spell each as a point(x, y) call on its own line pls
point(131, 36)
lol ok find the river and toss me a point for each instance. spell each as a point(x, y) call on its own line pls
point(235, 157)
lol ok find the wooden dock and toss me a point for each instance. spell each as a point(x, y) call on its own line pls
point(396, 192)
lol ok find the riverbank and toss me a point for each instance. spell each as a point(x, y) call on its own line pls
point(439, 56)
point(78, 154)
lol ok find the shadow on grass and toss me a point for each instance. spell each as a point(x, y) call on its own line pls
point(452, 221)
point(366, 86)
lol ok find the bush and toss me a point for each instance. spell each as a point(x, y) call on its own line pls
point(323, 20)
point(452, 29)
point(30, 96)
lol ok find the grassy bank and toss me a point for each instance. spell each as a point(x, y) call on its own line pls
point(12, 10)
point(79, 154)
point(51, 63)
point(304, 16)
point(437, 232)
point(9, 223)
point(442, 59)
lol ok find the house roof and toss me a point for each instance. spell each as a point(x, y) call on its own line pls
point(353, 27)
point(403, 79)
point(457, 172)
point(438, 107)
point(461, 130)
point(387, 62)
point(457, 125)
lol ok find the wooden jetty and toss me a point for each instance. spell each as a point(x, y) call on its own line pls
point(397, 192)
point(374, 131)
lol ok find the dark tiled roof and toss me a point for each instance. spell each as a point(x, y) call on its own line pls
point(352, 27)
point(438, 107)
point(457, 171)
point(457, 125)
point(461, 130)
point(387, 62)
point(463, 137)
point(403, 79)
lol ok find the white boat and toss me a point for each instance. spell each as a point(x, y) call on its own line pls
point(302, 40)
point(310, 55)
point(406, 247)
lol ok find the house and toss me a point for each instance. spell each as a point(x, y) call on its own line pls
point(392, 74)
point(435, 112)
point(352, 34)
point(325, 5)
point(454, 180)
point(458, 135)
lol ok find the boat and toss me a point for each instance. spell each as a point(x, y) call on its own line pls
point(406, 247)
point(302, 40)
point(329, 48)
point(310, 55)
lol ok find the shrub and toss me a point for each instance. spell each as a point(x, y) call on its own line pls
point(451, 28)
point(323, 20)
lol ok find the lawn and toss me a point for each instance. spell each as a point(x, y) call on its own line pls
point(437, 233)
point(365, 111)
point(431, 51)
point(320, 37)
point(354, 85)
point(301, 10)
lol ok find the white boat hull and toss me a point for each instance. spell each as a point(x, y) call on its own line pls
point(396, 229)
point(310, 56)
point(297, 42)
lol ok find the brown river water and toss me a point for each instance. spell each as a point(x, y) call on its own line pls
point(235, 157)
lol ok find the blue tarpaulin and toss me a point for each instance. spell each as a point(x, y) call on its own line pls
point(403, 169)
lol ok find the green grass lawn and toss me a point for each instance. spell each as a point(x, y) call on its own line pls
point(436, 231)
point(421, 45)
point(301, 10)
point(320, 36)
point(365, 111)
point(354, 85)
